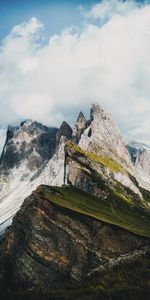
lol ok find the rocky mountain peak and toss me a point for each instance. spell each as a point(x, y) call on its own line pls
point(32, 127)
point(30, 139)
point(81, 117)
point(64, 130)
point(103, 136)
point(79, 127)
point(97, 112)
point(26, 122)
point(35, 154)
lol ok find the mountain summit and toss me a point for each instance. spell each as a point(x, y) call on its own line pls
point(35, 154)
point(83, 231)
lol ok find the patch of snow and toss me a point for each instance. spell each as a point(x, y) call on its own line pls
point(18, 187)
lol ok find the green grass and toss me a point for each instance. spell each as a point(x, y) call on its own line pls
point(105, 161)
point(112, 210)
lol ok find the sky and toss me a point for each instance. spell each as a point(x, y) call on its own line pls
point(58, 57)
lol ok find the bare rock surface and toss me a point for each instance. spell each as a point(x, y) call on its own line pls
point(48, 245)
point(140, 156)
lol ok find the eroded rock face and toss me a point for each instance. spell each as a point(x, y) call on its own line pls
point(64, 130)
point(29, 159)
point(27, 148)
point(50, 246)
point(35, 154)
point(102, 135)
point(140, 156)
point(79, 127)
point(83, 171)
point(31, 141)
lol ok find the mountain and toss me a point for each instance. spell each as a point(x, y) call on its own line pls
point(103, 138)
point(26, 149)
point(68, 244)
point(83, 230)
point(2, 138)
point(35, 154)
point(140, 156)
point(89, 239)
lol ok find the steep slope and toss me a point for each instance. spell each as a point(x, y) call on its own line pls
point(103, 135)
point(140, 156)
point(88, 235)
point(79, 127)
point(29, 158)
point(63, 238)
point(35, 154)
point(102, 138)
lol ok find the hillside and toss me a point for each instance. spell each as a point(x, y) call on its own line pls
point(65, 244)
point(83, 228)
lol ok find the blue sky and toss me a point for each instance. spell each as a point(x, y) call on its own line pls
point(54, 14)
point(104, 59)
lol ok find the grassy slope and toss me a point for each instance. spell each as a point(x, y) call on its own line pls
point(112, 210)
point(104, 160)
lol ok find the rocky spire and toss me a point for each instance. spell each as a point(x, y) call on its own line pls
point(81, 118)
point(103, 136)
point(97, 112)
point(79, 127)
point(64, 130)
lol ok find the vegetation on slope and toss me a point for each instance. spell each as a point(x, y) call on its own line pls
point(111, 210)
point(104, 160)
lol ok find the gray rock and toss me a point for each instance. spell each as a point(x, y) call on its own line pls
point(140, 156)
point(64, 130)
point(32, 141)
point(49, 246)
point(79, 127)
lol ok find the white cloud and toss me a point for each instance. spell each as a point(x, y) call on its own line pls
point(107, 63)
point(31, 29)
point(107, 9)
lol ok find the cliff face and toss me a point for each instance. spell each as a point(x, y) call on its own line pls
point(33, 154)
point(31, 143)
point(83, 167)
point(85, 232)
point(103, 136)
point(51, 246)
point(140, 156)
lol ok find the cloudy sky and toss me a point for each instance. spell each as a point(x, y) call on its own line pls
point(57, 57)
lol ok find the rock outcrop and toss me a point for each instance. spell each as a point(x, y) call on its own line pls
point(31, 143)
point(50, 247)
point(102, 135)
point(85, 232)
point(64, 130)
point(140, 156)
point(79, 127)
point(32, 155)
point(35, 154)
